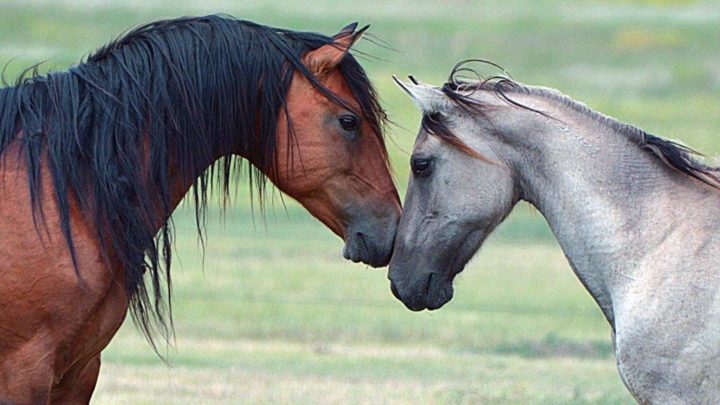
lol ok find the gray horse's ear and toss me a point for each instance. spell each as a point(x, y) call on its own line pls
point(428, 98)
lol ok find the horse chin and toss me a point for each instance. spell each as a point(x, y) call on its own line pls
point(359, 247)
point(438, 293)
point(430, 293)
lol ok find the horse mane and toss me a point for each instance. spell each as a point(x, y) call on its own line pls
point(170, 94)
point(460, 89)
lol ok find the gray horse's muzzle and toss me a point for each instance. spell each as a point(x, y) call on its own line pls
point(428, 291)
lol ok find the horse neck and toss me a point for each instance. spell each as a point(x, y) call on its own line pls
point(181, 181)
point(612, 206)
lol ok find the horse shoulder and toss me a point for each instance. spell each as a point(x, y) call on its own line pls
point(51, 318)
point(667, 336)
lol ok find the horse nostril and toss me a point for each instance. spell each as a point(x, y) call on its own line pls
point(394, 290)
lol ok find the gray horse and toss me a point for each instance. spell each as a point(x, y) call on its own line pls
point(637, 216)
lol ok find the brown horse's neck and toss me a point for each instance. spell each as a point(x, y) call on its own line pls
point(181, 183)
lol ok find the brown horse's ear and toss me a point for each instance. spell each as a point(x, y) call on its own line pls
point(322, 60)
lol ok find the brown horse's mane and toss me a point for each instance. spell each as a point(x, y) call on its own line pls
point(459, 89)
point(195, 87)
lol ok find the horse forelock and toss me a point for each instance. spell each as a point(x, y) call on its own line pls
point(193, 86)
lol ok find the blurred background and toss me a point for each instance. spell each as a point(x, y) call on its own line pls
point(273, 314)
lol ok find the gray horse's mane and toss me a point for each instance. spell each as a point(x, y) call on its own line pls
point(671, 153)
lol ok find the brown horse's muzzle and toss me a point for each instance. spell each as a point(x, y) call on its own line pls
point(369, 238)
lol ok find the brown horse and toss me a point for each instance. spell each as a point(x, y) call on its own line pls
point(95, 159)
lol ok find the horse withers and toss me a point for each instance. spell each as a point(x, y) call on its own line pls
point(93, 161)
point(636, 215)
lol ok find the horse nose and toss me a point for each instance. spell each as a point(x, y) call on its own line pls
point(367, 246)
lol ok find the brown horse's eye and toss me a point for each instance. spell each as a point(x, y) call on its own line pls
point(348, 122)
point(421, 166)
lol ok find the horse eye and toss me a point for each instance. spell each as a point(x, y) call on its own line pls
point(421, 166)
point(348, 122)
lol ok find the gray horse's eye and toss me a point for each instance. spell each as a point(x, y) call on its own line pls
point(421, 166)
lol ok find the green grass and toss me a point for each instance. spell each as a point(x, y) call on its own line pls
point(275, 314)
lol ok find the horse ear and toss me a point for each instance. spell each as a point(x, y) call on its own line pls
point(428, 98)
point(325, 58)
point(349, 29)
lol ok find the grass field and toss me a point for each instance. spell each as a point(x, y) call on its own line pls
point(276, 316)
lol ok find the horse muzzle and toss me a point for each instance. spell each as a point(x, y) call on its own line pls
point(371, 242)
point(373, 250)
point(429, 291)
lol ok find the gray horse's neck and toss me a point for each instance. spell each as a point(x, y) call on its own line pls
point(616, 210)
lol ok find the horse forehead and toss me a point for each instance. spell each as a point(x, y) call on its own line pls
point(428, 143)
point(423, 143)
point(306, 93)
point(336, 82)
point(338, 85)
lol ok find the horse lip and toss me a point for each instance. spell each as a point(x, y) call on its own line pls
point(356, 249)
point(435, 289)
point(428, 284)
point(436, 294)
point(415, 305)
point(384, 260)
point(443, 296)
point(363, 242)
point(416, 302)
point(350, 253)
point(439, 298)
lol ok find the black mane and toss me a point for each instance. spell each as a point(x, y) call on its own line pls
point(459, 89)
point(177, 91)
